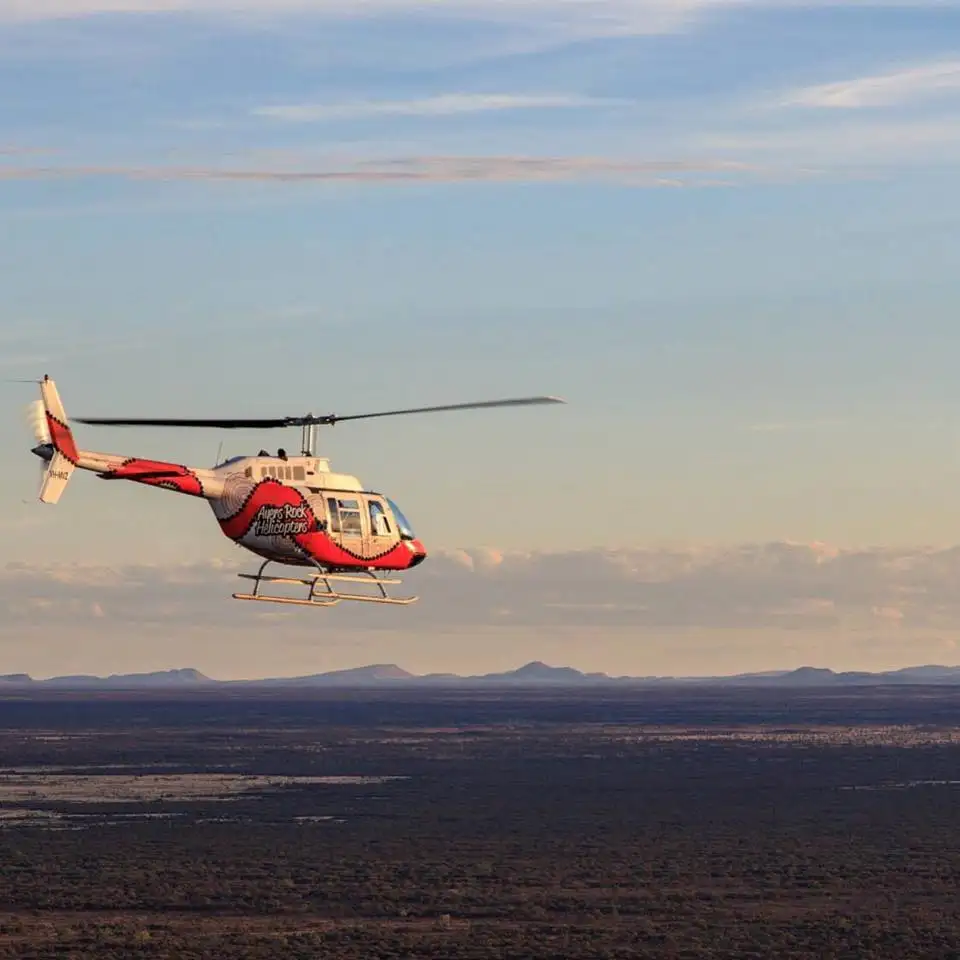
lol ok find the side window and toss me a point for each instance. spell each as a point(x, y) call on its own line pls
point(350, 523)
point(298, 473)
point(334, 515)
point(379, 524)
point(248, 472)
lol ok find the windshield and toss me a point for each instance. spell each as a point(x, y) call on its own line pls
point(406, 531)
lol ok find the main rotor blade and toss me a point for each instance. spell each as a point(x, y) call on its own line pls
point(327, 419)
point(166, 422)
point(517, 402)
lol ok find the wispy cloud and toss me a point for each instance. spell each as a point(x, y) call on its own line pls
point(522, 27)
point(793, 425)
point(15, 360)
point(882, 89)
point(439, 106)
point(865, 146)
point(20, 10)
point(61, 349)
point(613, 13)
point(17, 150)
point(635, 15)
point(437, 169)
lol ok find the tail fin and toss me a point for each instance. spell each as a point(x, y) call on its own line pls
point(54, 442)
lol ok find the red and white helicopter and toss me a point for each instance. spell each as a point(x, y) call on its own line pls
point(286, 509)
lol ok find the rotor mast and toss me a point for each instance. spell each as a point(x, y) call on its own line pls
point(309, 436)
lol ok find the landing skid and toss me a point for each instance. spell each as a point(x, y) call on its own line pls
point(316, 597)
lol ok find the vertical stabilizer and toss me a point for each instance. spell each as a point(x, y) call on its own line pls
point(54, 443)
point(55, 478)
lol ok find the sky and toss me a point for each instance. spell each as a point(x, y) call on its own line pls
point(723, 230)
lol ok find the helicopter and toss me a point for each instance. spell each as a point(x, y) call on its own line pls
point(287, 510)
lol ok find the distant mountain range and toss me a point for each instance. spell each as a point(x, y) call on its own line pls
point(532, 674)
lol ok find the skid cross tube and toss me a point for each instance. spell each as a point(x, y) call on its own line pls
point(317, 598)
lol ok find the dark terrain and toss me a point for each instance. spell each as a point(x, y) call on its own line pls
point(561, 824)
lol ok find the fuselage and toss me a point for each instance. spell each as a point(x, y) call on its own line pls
point(291, 510)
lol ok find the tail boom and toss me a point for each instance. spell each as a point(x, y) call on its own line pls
point(108, 466)
point(157, 473)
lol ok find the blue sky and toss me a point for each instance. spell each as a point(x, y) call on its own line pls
point(724, 231)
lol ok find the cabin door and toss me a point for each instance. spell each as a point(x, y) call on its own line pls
point(382, 534)
point(348, 524)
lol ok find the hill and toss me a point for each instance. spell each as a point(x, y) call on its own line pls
point(536, 673)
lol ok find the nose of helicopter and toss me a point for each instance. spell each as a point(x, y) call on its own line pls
point(419, 552)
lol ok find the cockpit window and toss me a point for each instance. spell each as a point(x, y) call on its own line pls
point(379, 524)
point(403, 525)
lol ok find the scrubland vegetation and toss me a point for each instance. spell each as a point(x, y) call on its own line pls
point(518, 825)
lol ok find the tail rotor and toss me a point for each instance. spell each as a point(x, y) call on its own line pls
point(36, 418)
